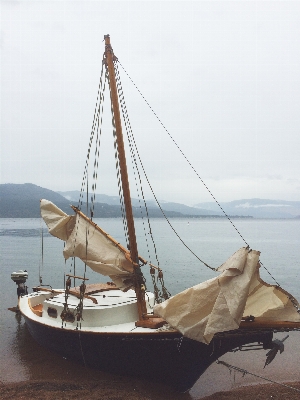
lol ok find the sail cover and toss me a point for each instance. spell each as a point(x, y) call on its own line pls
point(90, 243)
point(219, 304)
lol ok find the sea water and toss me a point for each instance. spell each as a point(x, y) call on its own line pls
point(212, 240)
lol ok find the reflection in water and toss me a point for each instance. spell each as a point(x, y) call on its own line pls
point(14, 370)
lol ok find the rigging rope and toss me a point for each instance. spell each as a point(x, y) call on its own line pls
point(68, 314)
point(164, 293)
point(244, 372)
point(98, 124)
point(96, 118)
point(120, 189)
point(130, 137)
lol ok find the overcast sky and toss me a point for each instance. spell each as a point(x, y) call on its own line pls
point(223, 77)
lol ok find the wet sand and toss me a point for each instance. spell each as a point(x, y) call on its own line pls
point(67, 390)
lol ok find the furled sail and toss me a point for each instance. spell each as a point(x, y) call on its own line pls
point(219, 304)
point(90, 243)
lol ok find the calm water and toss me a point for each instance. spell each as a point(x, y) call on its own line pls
point(213, 240)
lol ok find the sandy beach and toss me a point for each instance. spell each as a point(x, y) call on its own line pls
point(67, 390)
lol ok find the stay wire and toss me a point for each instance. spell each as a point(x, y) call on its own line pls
point(157, 202)
point(131, 142)
point(98, 124)
point(84, 185)
point(182, 153)
point(153, 193)
point(204, 184)
point(162, 294)
point(96, 118)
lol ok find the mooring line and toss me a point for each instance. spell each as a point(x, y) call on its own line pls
point(244, 372)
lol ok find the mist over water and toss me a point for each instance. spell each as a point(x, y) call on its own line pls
point(213, 240)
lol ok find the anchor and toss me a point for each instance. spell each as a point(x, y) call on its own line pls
point(277, 346)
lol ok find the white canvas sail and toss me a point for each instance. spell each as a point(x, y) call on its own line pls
point(219, 304)
point(59, 223)
point(102, 253)
point(270, 302)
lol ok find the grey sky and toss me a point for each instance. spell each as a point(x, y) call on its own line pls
point(223, 77)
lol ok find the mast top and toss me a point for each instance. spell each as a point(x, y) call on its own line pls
point(108, 48)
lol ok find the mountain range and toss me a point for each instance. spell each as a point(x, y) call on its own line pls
point(22, 201)
point(256, 208)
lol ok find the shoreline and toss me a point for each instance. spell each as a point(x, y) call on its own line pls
point(52, 390)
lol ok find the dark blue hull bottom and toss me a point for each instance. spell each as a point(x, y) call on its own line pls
point(165, 357)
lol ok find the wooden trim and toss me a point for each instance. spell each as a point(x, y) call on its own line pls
point(37, 309)
point(117, 244)
point(94, 288)
point(43, 289)
point(97, 227)
point(152, 323)
point(86, 296)
point(77, 277)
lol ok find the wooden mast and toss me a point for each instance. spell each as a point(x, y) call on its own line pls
point(139, 284)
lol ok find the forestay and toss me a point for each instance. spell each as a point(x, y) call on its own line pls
point(90, 243)
point(219, 304)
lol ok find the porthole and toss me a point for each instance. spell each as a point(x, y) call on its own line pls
point(52, 312)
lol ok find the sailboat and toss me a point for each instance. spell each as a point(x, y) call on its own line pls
point(123, 328)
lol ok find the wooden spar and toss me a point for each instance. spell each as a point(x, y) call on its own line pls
point(117, 244)
point(139, 289)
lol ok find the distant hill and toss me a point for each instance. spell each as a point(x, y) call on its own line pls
point(22, 201)
point(257, 208)
point(186, 210)
point(73, 195)
point(182, 209)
